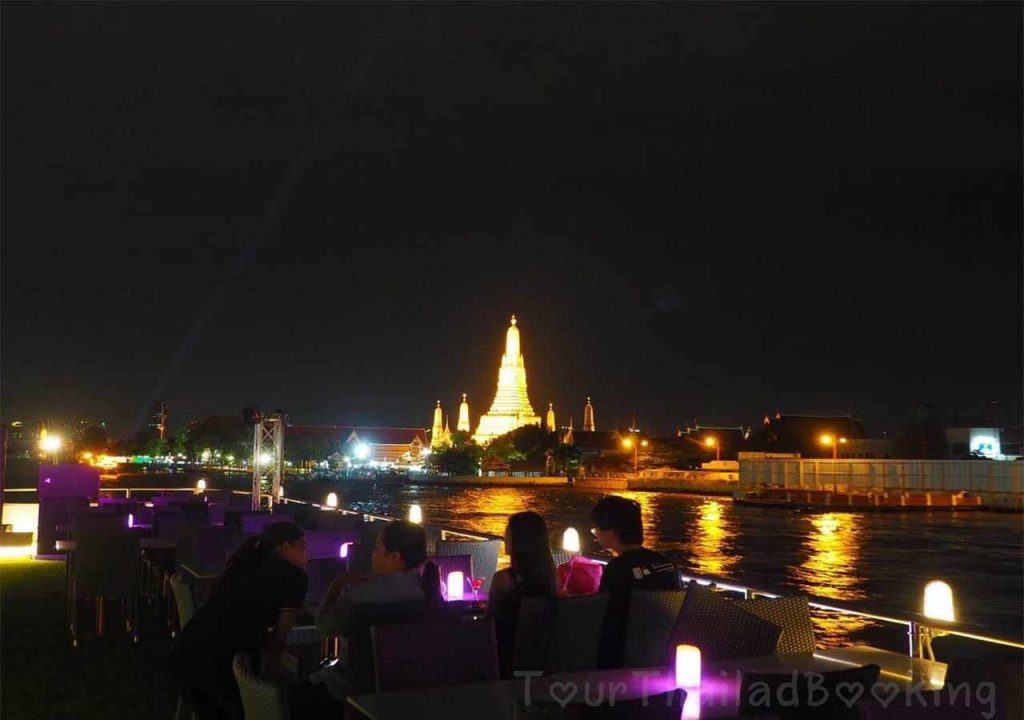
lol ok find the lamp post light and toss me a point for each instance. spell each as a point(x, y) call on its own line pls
point(835, 442)
point(51, 444)
point(713, 442)
point(632, 443)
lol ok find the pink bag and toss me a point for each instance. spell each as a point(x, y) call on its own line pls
point(579, 576)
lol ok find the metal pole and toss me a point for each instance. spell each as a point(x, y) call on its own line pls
point(279, 461)
point(256, 442)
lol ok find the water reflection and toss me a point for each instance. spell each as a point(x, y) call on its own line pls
point(712, 542)
point(833, 546)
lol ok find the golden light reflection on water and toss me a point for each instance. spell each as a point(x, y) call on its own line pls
point(713, 539)
point(833, 546)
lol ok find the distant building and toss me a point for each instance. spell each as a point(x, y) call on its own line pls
point(373, 446)
point(803, 434)
point(730, 441)
point(963, 443)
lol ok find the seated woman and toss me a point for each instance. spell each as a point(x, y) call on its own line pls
point(530, 574)
point(400, 550)
point(262, 586)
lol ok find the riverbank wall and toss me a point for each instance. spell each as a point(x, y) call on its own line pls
point(695, 482)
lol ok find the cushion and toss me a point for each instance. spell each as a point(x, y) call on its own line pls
point(793, 615)
point(721, 628)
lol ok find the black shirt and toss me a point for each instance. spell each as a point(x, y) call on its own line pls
point(639, 569)
point(237, 616)
point(636, 569)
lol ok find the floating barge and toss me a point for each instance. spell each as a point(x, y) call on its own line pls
point(827, 500)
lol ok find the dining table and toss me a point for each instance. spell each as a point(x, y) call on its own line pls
point(716, 698)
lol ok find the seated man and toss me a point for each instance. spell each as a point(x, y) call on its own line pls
point(400, 551)
point(618, 527)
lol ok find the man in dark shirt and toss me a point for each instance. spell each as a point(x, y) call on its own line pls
point(618, 527)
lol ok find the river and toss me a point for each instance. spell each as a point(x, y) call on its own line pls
point(882, 560)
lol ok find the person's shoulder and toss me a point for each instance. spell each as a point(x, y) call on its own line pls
point(502, 580)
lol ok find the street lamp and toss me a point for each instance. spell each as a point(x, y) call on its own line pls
point(713, 442)
point(828, 440)
point(632, 443)
point(51, 444)
point(835, 442)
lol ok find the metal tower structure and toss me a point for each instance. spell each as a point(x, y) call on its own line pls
point(268, 440)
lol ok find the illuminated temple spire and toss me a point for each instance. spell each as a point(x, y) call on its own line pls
point(588, 417)
point(568, 439)
point(463, 424)
point(437, 430)
point(551, 427)
point(511, 408)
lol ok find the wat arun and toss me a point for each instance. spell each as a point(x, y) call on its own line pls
point(511, 407)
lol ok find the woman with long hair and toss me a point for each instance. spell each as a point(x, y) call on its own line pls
point(263, 586)
point(531, 573)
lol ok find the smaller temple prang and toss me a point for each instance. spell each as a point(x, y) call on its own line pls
point(550, 420)
point(588, 417)
point(463, 424)
point(437, 429)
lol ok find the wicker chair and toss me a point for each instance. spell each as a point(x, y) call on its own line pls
point(321, 572)
point(793, 615)
point(261, 700)
point(560, 635)
point(484, 552)
point(408, 657)
point(720, 627)
point(652, 615)
point(363, 617)
point(186, 604)
point(327, 543)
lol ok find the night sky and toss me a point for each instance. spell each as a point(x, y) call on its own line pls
point(701, 211)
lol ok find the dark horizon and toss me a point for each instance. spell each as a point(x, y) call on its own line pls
point(700, 212)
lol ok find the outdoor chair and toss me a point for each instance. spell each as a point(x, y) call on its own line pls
point(652, 615)
point(760, 694)
point(327, 543)
point(484, 552)
point(186, 605)
point(261, 700)
point(793, 615)
point(321, 571)
point(360, 559)
point(561, 557)
point(106, 565)
point(419, 656)
point(55, 511)
point(559, 635)
point(720, 628)
point(326, 520)
point(360, 668)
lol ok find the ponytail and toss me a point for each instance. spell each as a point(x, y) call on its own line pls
point(430, 581)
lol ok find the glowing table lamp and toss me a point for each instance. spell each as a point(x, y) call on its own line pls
point(415, 514)
point(332, 500)
point(687, 666)
point(456, 585)
point(343, 550)
point(571, 540)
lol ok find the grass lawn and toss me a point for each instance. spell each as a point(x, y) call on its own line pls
point(42, 676)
